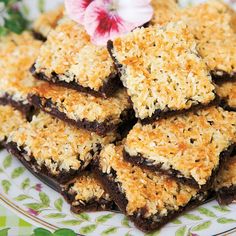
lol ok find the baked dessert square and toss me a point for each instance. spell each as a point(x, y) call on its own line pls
point(10, 120)
point(162, 70)
point(211, 24)
point(85, 193)
point(225, 183)
point(54, 148)
point(46, 22)
point(190, 147)
point(227, 93)
point(17, 53)
point(68, 58)
point(150, 200)
point(83, 110)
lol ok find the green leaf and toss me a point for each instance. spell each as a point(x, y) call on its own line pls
point(55, 215)
point(202, 226)
point(22, 197)
point(176, 222)
point(42, 232)
point(192, 217)
point(128, 234)
point(125, 222)
point(222, 208)
point(34, 206)
point(225, 220)
point(25, 184)
point(4, 232)
point(17, 172)
point(72, 222)
point(88, 229)
point(1, 170)
point(41, 5)
point(105, 218)
point(3, 31)
point(64, 232)
point(84, 216)
point(6, 185)
point(109, 231)
point(44, 198)
point(206, 212)
point(154, 233)
point(58, 204)
point(181, 231)
point(7, 161)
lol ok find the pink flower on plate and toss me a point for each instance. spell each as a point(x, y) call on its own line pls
point(32, 212)
point(38, 187)
point(108, 19)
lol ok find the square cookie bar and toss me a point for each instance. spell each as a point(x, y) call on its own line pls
point(68, 58)
point(225, 183)
point(10, 120)
point(227, 94)
point(150, 200)
point(85, 193)
point(189, 147)
point(54, 148)
point(46, 22)
point(83, 110)
point(162, 70)
point(17, 53)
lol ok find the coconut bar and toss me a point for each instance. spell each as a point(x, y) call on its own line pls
point(227, 94)
point(83, 110)
point(54, 148)
point(162, 70)
point(17, 53)
point(47, 22)
point(150, 200)
point(85, 193)
point(225, 184)
point(189, 147)
point(70, 59)
point(10, 120)
point(211, 24)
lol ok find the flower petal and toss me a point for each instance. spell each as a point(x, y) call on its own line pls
point(75, 9)
point(136, 3)
point(137, 16)
point(102, 24)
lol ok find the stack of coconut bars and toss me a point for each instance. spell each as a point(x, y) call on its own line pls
point(146, 125)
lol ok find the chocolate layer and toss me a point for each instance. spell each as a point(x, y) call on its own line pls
point(26, 109)
point(175, 174)
point(113, 83)
point(100, 128)
point(224, 104)
point(226, 195)
point(145, 224)
point(220, 76)
point(38, 36)
point(41, 170)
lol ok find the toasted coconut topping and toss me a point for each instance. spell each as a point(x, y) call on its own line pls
point(87, 188)
point(227, 92)
point(70, 54)
point(227, 175)
point(17, 53)
point(79, 106)
point(48, 21)
point(144, 190)
point(162, 69)
point(10, 120)
point(190, 143)
point(57, 145)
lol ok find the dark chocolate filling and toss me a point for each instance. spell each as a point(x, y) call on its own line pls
point(225, 105)
point(142, 162)
point(160, 113)
point(100, 128)
point(145, 224)
point(62, 178)
point(26, 109)
point(38, 36)
point(220, 76)
point(107, 90)
point(226, 195)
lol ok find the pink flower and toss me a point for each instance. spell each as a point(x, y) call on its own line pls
point(32, 212)
point(108, 19)
point(38, 187)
